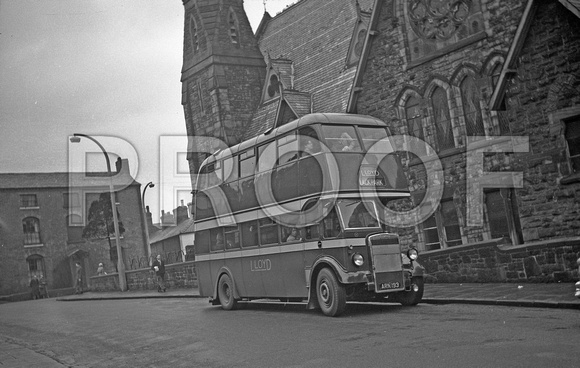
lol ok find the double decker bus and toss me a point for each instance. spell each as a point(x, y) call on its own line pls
point(295, 215)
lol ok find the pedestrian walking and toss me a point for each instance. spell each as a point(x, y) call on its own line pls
point(78, 279)
point(101, 270)
point(159, 267)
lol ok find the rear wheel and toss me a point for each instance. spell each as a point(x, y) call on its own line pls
point(412, 297)
point(330, 293)
point(226, 293)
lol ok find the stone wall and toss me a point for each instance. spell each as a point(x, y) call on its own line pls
point(490, 262)
point(177, 276)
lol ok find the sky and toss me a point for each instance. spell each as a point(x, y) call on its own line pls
point(106, 68)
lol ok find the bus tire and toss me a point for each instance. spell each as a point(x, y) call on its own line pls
point(330, 293)
point(226, 292)
point(412, 298)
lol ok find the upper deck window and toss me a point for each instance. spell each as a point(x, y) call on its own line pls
point(287, 148)
point(247, 163)
point(371, 136)
point(341, 138)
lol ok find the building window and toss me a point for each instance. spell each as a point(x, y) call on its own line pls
point(35, 266)
point(442, 229)
point(71, 200)
point(31, 229)
point(431, 234)
point(442, 119)
point(450, 220)
point(74, 226)
point(234, 31)
point(193, 33)
point(502, 118)
point(470, 97)
point(502, 215)
point(413, 115)
point(28, 201)
point(273, 86)
point(572, 136)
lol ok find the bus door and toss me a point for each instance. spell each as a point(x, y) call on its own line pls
point(312, 238)
point(250, 284)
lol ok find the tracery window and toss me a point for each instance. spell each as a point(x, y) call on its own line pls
point(438, 19)
point(442, 119)
point(470, 97)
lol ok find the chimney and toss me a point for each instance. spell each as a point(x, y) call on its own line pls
point(181, 213)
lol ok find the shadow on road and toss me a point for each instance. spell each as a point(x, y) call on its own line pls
point(352, 309)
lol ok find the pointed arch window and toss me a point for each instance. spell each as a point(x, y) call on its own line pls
point(442, 119)
point(31, 229)
point(193, 33)
point(234, 28)
point(470, 97)
point(413, 115)
point(503, 122)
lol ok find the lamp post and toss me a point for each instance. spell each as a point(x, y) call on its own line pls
point(76, 138)
point(149, 185)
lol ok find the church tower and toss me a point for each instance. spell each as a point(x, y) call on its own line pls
point(222, 74)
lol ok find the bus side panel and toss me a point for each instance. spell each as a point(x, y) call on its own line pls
point(216, 265)
point(202, 268)
point(234, 263)
point(252, 277)
point(269, 267)
point(292, 269)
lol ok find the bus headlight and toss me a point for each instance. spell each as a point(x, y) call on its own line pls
point(358, 259)
point(413, 254)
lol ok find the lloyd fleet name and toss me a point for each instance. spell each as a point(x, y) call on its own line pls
point(260, 265)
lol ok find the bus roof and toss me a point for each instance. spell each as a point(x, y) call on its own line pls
point(309, 119)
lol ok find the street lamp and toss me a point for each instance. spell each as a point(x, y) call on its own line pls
point(149, 185)
point(76, 138)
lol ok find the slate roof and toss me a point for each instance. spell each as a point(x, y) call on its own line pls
point(45, 180)
point(172, 231)
point(315, 35)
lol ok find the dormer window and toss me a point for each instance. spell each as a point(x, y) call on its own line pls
point(273, 86)
point(234, 27)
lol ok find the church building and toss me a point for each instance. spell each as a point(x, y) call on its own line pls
point(495, 83)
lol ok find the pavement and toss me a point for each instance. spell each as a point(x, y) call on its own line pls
point(15, 353)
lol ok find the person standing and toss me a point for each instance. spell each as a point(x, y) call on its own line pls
point(78, 279)
point(159, 267)
point(35, 287)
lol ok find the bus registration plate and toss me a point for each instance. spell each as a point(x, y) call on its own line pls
point(389, 281)
point(389, 285)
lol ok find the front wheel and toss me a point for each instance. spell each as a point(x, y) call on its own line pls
point(331, 294)
point(226, 293)
point(412, 297)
